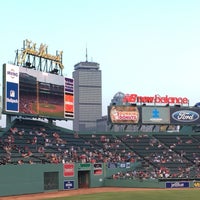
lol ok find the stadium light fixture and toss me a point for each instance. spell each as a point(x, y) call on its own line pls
point(54, 71)
point(28, 64)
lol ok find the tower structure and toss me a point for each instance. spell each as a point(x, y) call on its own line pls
point(88, 95)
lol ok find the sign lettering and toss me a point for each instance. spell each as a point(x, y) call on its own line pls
point(157, 99)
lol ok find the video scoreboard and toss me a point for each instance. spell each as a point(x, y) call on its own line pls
point(29, 92)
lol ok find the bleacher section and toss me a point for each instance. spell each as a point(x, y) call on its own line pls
point(169, 155)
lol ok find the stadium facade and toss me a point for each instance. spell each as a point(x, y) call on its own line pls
point(88, 96)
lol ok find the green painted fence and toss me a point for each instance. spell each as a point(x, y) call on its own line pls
point(38, 178)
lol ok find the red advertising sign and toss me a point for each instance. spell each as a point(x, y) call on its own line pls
point(98, 172)
point(68, 169)
point(156, 99)
point(98, 169)
point(69, 103)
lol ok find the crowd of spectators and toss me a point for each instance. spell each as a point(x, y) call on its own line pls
point(148, 173)
point(159, 173)
point(42, 145)
point(54, 147)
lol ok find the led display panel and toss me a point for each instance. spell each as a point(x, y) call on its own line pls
point(123, 114)
point(155, 115)
point(34, 93)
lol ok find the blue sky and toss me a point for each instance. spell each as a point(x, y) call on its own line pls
point(145, 47)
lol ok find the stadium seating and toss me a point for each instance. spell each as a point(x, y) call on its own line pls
point(168, 155)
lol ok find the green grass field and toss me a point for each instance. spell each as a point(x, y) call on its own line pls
point(191, 194)
point(51, 111)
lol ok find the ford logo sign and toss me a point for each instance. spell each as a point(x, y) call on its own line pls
point(185, 116)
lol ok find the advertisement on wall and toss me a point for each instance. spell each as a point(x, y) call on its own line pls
point(184, 116)
point(98, 169)
point(68, 185)
point(196, 184)
point(68, 169)
point(155, 115)
point(123, 114)
point(178, 184)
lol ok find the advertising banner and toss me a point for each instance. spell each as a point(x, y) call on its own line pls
point(123, 114)
point(68, 169)
point(68, 185)
point(69, 98)
point(69, 85)
point(98, 169)
point(196, 184)
point(178, 184)
point(112, 165)
point(84, 166)
point(12, 88)
point(155, 100)
point(185, 115)
point(155, 115)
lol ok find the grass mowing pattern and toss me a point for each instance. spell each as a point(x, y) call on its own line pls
point(48, 110)
point(191, 194)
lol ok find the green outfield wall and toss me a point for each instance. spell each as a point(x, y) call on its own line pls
point(39, 178)
point(134, 183)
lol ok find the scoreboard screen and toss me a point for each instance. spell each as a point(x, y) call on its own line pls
point(29, 92)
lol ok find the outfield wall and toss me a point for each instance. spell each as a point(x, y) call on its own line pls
point(39, 178)
point(134, 183)
point(168, 184)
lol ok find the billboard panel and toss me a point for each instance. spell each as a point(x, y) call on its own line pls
point(185, 116)
point(155, 115)
point(68, 169)
point(69, 98)
point(35, 93)
point(123, 114)
point(12, 88)
point(69, 184)
point(178, 184)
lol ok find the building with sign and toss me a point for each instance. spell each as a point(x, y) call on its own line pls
point(88, 95)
